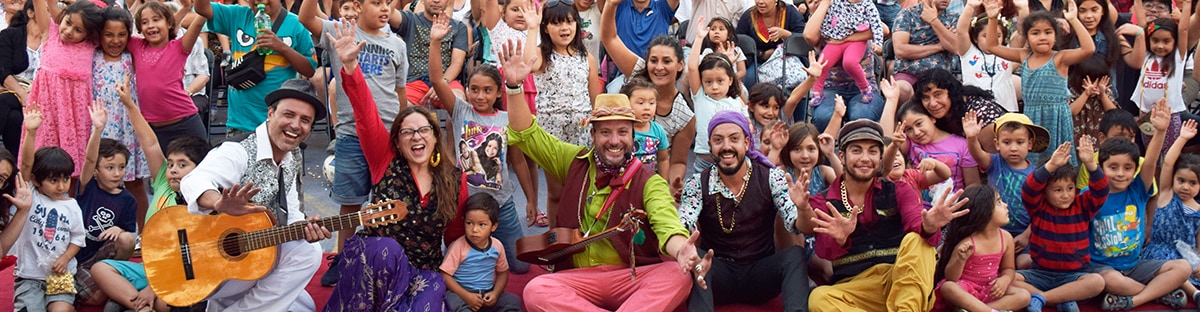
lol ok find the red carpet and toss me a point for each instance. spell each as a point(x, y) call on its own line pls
point(516, 282)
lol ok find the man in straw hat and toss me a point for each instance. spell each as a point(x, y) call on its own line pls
point(734, 203)
point(259, 174)
point(875, 231)
point(601, 185)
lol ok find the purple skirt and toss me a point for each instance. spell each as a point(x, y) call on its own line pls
point(376, 276)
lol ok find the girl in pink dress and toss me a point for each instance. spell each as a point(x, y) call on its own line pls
point(976, 268)
point(63, 87)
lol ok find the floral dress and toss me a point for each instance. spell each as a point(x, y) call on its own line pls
point(394, 267)
point(106, 77)
point(563, 101)
point(1175, 221)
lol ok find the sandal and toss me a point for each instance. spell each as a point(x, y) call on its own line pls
point(1116, 303)
point(541, 220)
point(1176, 299)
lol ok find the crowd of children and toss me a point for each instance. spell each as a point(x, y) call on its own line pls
point(1070, 195)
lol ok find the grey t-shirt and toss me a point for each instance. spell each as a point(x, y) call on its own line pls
point(481, 141)
point(414, 28)
point(384, 64)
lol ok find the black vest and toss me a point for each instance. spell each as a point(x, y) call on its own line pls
point(753, 220)
point(875, 243)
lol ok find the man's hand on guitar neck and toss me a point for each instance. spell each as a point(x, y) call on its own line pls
point(314, 232)
point(233, 201)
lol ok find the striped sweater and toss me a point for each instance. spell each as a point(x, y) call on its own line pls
point(1060, 236)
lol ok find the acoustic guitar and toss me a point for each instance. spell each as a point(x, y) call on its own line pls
point(187, 256)
point(550, 247)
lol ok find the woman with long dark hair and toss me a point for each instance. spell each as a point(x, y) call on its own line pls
point(19, 46)
point(948, 101)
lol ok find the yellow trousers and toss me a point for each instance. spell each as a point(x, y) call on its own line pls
point(906, 285)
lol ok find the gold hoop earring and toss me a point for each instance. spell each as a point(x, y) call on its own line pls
point(437, 159)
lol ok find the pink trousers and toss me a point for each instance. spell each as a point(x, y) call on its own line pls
point(659, 287)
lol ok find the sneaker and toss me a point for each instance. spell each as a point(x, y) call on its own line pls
point(1036, 302)
point(1176, 299)
point(332, 275)
point(1071, 306)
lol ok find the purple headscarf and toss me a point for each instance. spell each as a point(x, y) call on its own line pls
point(740, 120)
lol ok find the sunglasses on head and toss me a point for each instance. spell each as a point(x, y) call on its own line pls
point(555, 3)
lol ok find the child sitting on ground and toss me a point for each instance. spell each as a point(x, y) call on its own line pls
point(475, 269)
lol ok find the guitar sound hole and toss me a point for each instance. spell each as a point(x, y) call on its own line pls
point(230, 245)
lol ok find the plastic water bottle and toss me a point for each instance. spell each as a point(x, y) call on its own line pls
point(1188, 253)
point(262, 21)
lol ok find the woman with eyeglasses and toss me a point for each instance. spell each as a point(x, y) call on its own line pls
point(393, 267)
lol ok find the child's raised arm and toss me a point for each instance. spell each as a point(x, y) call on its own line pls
point(437, 31)
point(816, 63)
point(964, 22)
point(41, 10)
point(308, 17)
point(625, 59)
point(1185, 6)
point(1160, 117)
point(533, 51)
point(693, 61)
point(971, 128)
point(155, 156)
point(193, 30)
point(897, 148)
point(1165, 179)
point(33, 120)
point(1086, 48)
point(992, 44)
point(99, 120)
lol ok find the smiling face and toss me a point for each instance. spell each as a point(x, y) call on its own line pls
point(479, 227)
point(513, 15)
point(1041, 36)
point(765, 6)
point(920, 128)
point(13, 6)
point(71, 29)
point(936, 101)
point(289, 123)
point(644, 103)
point(110, 172)
point(115, 39)
point(1061, 193)
point(1013, 145)
point(663, 65)
point(483, 92)
point(862, 159)
point(806, 154)
point(348, 11)
point(1162, 43)
point(154, 26)
point(765, 113)
point(1090, 14)
point(729, 145)
point(1120, 170)
point(493, 149)
point(613, 141)
point(895, 171)
point(374, 14)
point(562, 33)
point(178, 166)
point(416, 140)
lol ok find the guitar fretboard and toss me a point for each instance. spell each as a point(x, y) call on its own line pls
point(282, 234)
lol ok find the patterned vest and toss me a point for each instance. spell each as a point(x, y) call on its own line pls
point(577, 182)
point(265, 175)
point(874, 244)
point(751, 222)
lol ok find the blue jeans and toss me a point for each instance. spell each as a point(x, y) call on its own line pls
point(855, 108)
point(509, 230)
point(888, 14)
point(351, 179)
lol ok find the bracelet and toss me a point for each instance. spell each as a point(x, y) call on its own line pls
point(511, 90)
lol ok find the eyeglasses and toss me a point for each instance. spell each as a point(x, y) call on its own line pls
point(423, 131)
point(555, 3)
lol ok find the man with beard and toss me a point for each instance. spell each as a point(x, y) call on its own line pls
point(878, 233)
point(922, 41)
point(260, 174)
point(735, 206)
point(624, 271)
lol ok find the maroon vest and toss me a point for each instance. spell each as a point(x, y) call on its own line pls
point(576, 184)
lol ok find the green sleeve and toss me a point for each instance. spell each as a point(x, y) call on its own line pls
point(660, 209)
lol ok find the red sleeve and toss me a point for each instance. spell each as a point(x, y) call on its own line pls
point(1096, 194)
point(372, 134)
point(916, 178)
point(911, 208)
point(826, 247)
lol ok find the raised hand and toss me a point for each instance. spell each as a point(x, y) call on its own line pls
point(898, 136)
point(1089, 88)
point(729, 49)
point(33, 117)
point(798, 188)
point(1187, 131)
point(839, 108)
point(993, 7)
point(1103, 87)
point(1061, 156)
point(532, 14)
point(778, 136)
point(236, 200)
point(971, 126)
point(1160, 116)
point(1085, 151)
point(347, 49)
point(835, 225)
point(512, 59)
point(440, 28)
point(944, 210)
point(1129, 29)
point(99, 115)
point(889, 89)
point(826, 143)
point(1071, 12)
point(816, 64)
point(22, 197)
point(701, 28)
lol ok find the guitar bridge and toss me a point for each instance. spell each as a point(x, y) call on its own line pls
point(185, 253)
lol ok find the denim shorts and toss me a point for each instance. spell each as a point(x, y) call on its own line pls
point(351, 177)
point(1045, 280)
point(30, 294)
point(1142, 272)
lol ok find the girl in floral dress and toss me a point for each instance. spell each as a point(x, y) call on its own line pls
point(112, 66)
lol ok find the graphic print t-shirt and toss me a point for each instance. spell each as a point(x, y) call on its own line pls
point(1117, 231)
point(481, 142)
point(1007, 182)
point(52, 225)
point(104, 210)
point(951, 151)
